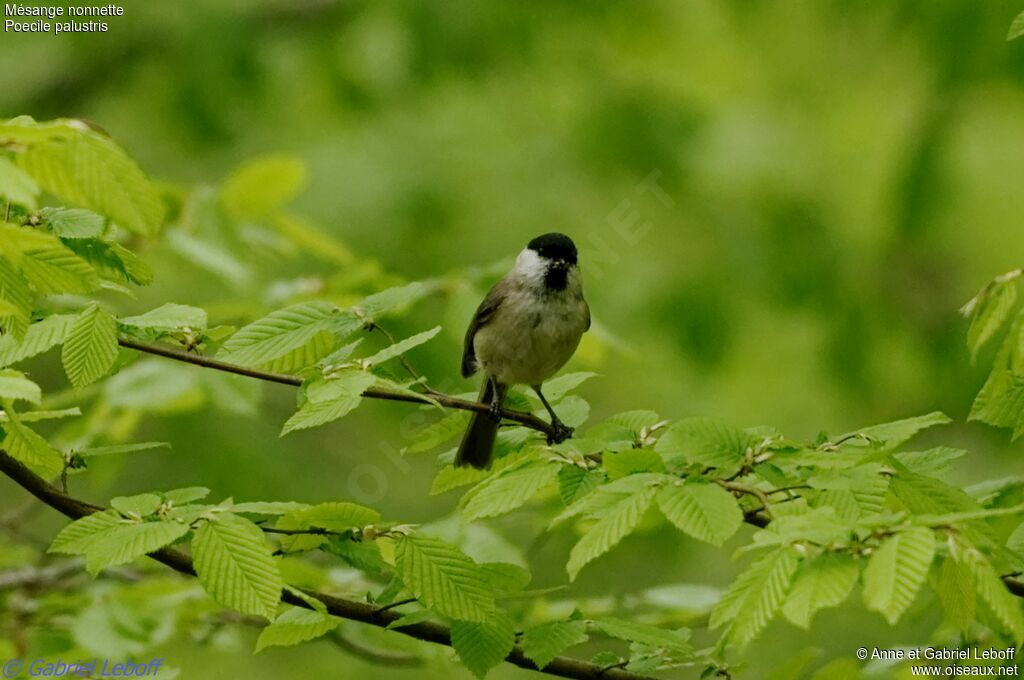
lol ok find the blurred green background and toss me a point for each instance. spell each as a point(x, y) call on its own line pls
point(834, 179)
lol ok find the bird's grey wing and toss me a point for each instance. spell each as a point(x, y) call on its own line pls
point(483, 314)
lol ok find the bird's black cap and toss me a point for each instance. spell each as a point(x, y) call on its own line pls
point(554, 246)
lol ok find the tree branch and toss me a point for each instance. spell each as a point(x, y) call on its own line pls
point(525, 419)
point(428, 631)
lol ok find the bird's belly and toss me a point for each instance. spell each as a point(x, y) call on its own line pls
point(531, 351)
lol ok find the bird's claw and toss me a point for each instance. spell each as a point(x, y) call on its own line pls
point(559, 432)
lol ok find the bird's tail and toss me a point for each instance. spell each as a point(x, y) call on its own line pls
point(478, 443)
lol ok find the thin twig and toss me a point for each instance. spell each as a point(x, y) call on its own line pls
point(428, 631)
point(379, 657)
point(525, 419)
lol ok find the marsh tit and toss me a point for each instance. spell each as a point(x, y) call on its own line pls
point(527, 327)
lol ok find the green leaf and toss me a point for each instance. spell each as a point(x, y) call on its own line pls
point(506, 579)
point(38, 338)
point(889, 436)
point(448, 428)
point(575, 482)
point(72, 222)
point(483, 645)
point(234, 563)
point(115, 449)
point(377, 305)
point(112, 261)
point(824, 581)
point(262, 186)
point(91, 171)
point(169, 316)
point(508, 490)
point(286, 340)
point(1016, 28)
point(139, 505)
point(16, 186)
point(401, 347)
point(186, 495)
point(896, 571)
point(295, 626)
point(91, 346)
point(541, 644)
point(335, 516)
point(328, 400)
point(16, 299)
point(756, 596)
point(705, 511)
point(126, 542)
point(48, 265)
point(75, 538)
point(650, 636)
point(14, 385)
point(991, 313)
point(556, 388)
point(955, 589)
point(268, 507)
point(25, 445)
point(443, 578)
point(992, 591)
point(631, 461)
point(936, 462)
point(615, 523)
point(706, 442)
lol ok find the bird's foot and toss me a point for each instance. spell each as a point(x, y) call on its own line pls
point(559, 432)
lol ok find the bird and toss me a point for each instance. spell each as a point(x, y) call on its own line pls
point(527, 327)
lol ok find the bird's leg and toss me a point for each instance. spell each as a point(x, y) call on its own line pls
point(495, 411)
point(561, 431)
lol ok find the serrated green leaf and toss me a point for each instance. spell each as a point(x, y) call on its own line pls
point(379, 304)
point(896, 571)
point(443, 578)
point(139, 505)
point(269, 507)
point(508, 490)
point(328, 400)
point(575, 482)
point(824, 581)
point(91, 346)
point(335, 516)
point(888, 436)
point(188, 494)
point(38, 338)
point(631, 461)
point(234, 564)
point(91, 171)
point(955, 589)
point(608, 496)
point(675, 641)
point(935, 462)
point(75, 538)
point(14, 386)
point(16, 186)
point(285, 340)
point(448, 428)
point(506, 579)
point(705, 511)
point(615, 523)
point(112, 261)
point(991, 313)
point(541, 644)
point(115, 449)
point(992, 591)
point(755, 596)
point(401, 347)
point(25, 445)
point(483, 645)
point(295, 626)
point(706, 442)
point(556, 388)
point(126, 542)
point(169, 316)
point(16, 298)
point(48, 265)
point(72, 222)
